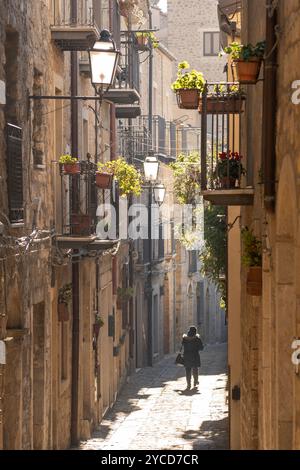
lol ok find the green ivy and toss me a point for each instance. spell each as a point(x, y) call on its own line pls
point(213, 255)
point(186, 171)
point(252, 249)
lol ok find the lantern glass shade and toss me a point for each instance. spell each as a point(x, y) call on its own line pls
point(151, 166)
point(159, 193)
point(104, 61)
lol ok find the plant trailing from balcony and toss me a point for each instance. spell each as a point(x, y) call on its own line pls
point(143, 38)
point(186, 172)
point(69, 164)
point(213, 253)
point(127, 176)
point(229, 170)
point(252, 259)
point(188, 86)
point(125, 293)
point(246, 60)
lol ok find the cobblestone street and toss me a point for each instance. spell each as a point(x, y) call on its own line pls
point(154, 412)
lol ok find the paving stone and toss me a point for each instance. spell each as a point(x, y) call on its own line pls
point(154, 412)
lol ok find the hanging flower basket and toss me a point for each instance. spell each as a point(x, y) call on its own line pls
point(71, 169)
point(221, 105)
point(63, 312)
point(188, 98)
point(254, 281)
point(104, 180)
point(247, 72)
point(142, 40)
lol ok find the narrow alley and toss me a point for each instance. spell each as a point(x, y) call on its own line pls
point(154, 412)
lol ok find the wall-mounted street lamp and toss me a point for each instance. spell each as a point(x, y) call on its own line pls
point(151, 167)
point(104, 58)
point(159, 191)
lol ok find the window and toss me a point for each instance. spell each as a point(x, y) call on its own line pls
point(15, 173)
point(211, 41)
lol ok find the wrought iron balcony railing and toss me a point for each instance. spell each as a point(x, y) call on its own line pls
point(224, 169)
point(74, 27)
point(81, 207)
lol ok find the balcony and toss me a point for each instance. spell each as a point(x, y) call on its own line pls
point(73, 29)
point(80, 209)
point(126, 88)
point(225, 173)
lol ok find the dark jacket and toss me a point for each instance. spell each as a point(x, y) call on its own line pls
point(191, 347)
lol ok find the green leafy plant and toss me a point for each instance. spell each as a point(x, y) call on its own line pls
point(98, 320)
point(246, 52)
point(65, 294)
point(67, 160)
point(252, 249)
point(150, 36)
point(213, 254)
point(186, 172)
point(127, 175)
point(125, 293)
point(187, 80)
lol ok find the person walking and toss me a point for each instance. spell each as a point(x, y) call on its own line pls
point(192, 344)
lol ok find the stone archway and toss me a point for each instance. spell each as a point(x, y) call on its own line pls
point(285, 315)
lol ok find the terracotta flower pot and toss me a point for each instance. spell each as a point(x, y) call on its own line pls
point(247, 72)
point(63, 312)
point(142, 40)
point(188, 99)
point(228, 183)
point(229, 105)
point(96, 329)
point(254, 281)
point(103, 180)
point(71, 169)
point(81, 224)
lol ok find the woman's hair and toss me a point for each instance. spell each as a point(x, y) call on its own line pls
point(192, 331)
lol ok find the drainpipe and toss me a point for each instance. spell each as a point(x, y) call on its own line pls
point(269, 109)
point(150, 110)
point(75, 263)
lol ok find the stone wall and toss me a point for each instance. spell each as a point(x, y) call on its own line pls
point(187, 22)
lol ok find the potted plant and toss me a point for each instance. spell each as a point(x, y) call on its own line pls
point(246, 60)
point(97, 324)
point(188, 86)
point(229, 170)
point(252, 258)
point(143, 39)
point(64, 298)
point(124, 294)
point(69, 164)
point(127, 176)
point(104, 176)
point(226, 98)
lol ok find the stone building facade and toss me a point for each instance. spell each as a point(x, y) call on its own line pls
point(58, 375)
point(263, 329)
